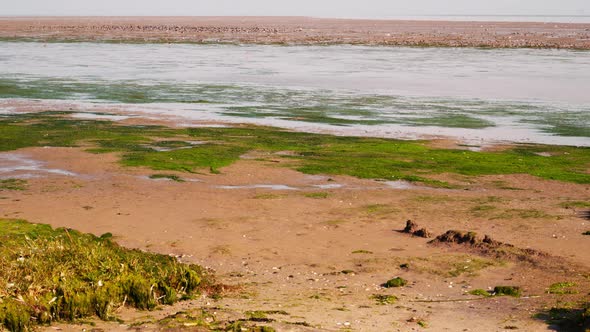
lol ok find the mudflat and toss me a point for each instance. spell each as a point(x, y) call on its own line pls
point(298, 30)
point(309, 252)
point(301, 231)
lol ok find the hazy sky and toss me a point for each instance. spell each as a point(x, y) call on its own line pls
point(322, 8)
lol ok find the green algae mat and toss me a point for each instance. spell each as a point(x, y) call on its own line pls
point(168, 149)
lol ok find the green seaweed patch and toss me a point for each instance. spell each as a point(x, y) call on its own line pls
point(257, 316)
point(422, 323)
point(213, 156)
point(559, 127)
point(452, 121)
point(575, 204)
point(316, 195)
point(395, 282)
point(383, 299)
point(106, 236)
point(13, 184)
point(336, 116)
point(362, 157)
point(379, 209)
point(122, 91)
point(49, 275)
point(214, 170)
point(522, 214)
point(184, 319)
point(492, 213)
point(268, 196)
point(513, 291)
point(170, 177)
point(586, 233)
point(51, 129)
point(362, 251)
point(562, 288)
point(307, 117)
point(262, 315)
point(395, 159)
point(480, 292)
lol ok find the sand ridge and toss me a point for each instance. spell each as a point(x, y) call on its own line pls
point(298, 30)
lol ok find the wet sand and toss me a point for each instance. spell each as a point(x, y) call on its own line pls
point(298, 30)
point(286, 249)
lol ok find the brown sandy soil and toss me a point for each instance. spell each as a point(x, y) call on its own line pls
point(298, 30)
point(291, 252)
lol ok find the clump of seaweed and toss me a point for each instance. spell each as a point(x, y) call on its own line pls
point(239, 326)
point(316, 195)
point(561, 288)
point(413, 229)
point(383, 299)
point(480, 292)
point(513, 291)
point(182, 319)
point(13, 184)
point(49, 275)
point(395, 282)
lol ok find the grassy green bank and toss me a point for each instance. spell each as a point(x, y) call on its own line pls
point(49, 275)
point(163, 148)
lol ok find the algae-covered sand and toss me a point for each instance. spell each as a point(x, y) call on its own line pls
point(302, 231)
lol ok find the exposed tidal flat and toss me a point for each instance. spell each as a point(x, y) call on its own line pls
point(289, 174)
point(512, 188)
point(474, 31)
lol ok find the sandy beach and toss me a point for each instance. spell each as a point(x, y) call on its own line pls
point(298, 30)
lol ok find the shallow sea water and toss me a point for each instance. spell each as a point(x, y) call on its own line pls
point(14, 165)
point(476, 95)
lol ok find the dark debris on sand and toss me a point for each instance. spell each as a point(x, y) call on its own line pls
point(487, 246)
point(413, 229)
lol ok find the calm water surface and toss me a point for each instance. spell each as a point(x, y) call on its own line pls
point(524, 95)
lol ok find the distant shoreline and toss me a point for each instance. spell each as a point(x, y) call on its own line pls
point(514, 18)
point(571, 19)
point(298, 31)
